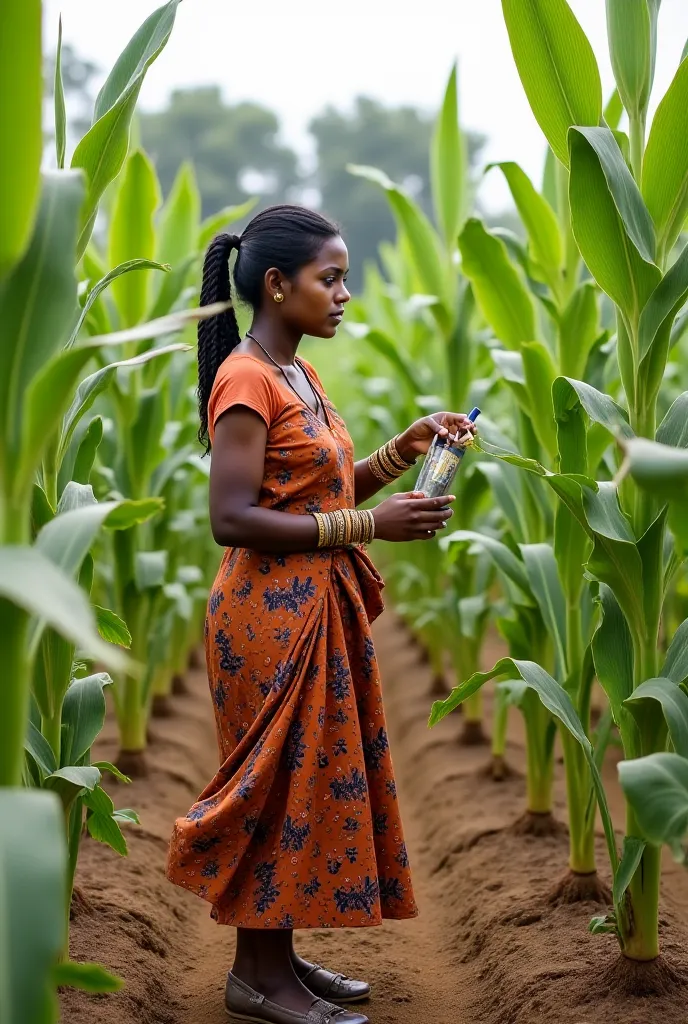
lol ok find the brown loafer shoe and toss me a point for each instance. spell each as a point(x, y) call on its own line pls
point(246, 1005)
point(336, 987)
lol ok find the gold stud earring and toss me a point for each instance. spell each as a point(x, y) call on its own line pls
point(278, 297)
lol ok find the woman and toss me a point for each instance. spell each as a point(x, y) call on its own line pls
point(300, 827)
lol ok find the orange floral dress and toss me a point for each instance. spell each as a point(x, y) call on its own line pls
point(300, 827)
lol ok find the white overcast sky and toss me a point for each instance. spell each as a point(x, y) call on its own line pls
point(297, 56)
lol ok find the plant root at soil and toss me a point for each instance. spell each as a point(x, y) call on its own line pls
point(473, 735)
point(531, 823)
point(575, 888)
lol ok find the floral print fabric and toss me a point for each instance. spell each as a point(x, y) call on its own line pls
point(300, 827)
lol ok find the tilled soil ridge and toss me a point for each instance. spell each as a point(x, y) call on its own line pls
point(490, 947)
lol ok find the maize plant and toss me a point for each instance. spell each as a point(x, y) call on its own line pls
point(618, 526)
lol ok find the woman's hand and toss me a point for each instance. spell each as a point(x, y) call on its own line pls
point(418, 437)
point(411, 516)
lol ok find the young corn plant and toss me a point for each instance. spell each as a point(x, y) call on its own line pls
point(628, 206)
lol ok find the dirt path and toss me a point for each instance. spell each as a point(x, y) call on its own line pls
point(488, 947)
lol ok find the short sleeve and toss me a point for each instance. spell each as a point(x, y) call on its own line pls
point(243, 380)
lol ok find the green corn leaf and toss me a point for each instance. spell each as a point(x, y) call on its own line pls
point(448, 166)
point(557, 67)
point(631, 856)
point(33, 582)
point(32, 924)
point(557, 701)
point(505, 560)
point(632, 33)
point(132, 235)
point(217, 222)
point(578, 330)
point(104, 282)
point(676, 663)
point(37, 304)
point(126, 815)
point(598, 406)
point(60, 108)
point(498, 286)
point(103, 150)
point(150, 568)
point(423, 243)
point(656, 787)
point(89, 977)
point(83, 715)
point(40, 750)
point(665, 165)
point(613, 112)
point(71, 781)
point(105, 829)
point(87, 451)
point(545, 584)
point(111, 627)
point(507, 486)
point(539, 220)
point(540, 373)
point(611, 223)
point(178, 232)
point(397, 358)
point(673, 703)
point(665, 302)
point(658, 468)
point(673, 430)
point(21, 88)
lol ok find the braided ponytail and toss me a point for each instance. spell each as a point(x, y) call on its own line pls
point(218, 336)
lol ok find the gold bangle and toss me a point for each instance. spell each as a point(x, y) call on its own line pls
point(344, 527)
point(387, 464)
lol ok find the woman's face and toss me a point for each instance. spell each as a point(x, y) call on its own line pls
point(315, 300)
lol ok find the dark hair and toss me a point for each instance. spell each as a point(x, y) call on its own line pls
point(286, 237)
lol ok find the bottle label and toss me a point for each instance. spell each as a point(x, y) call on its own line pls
point(444, 467)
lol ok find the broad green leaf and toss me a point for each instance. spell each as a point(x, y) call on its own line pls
point(673, 430)
point(598, 406)
point(658, 468)
point(610, 221)
point(111, 627)
point(632, 33)
point(665, 165)
point(612, 653)
point(37, 305)
point(60, 109)
point(422, 240)
point(212, 225)
point(71, 781)
point(40, 750)
point(503, 557)
point(664, 303)
point(578, 330)
point(674, 706)
point(656, 787)
point(105, 829)
point(631, 856)
point(103, 150)
point(557, 701)
point(126, 815)
point(89, 977)
point(177, 235)
point(102, 284)
point(132, 234)
point(31, 580)
point(557, 67)
point(540, 373)
point(676, 663)
point(539, 220)
point(499, 289)
point(83, 715)
point(448, 165)
point(545, 584)
point(106, 766)
point(507, 486)
point(32, 922)
point(21, 110)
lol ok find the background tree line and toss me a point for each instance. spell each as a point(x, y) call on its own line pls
point(237, 153)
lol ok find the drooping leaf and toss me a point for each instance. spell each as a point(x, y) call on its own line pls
point(674, 707)
point(102, 284)
point(40, 750)
point(89, 977)
point(503, 557)
point(557, 67)
point(656, 787)
point(673, 430)
point(83, 715)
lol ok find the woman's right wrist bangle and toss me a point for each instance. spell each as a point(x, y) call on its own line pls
point(387, 464)
point(344, 527)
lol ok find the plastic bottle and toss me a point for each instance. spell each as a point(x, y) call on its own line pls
point(442, 462)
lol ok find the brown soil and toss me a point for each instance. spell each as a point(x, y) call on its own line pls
point(490, 946)
point(575, 888)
